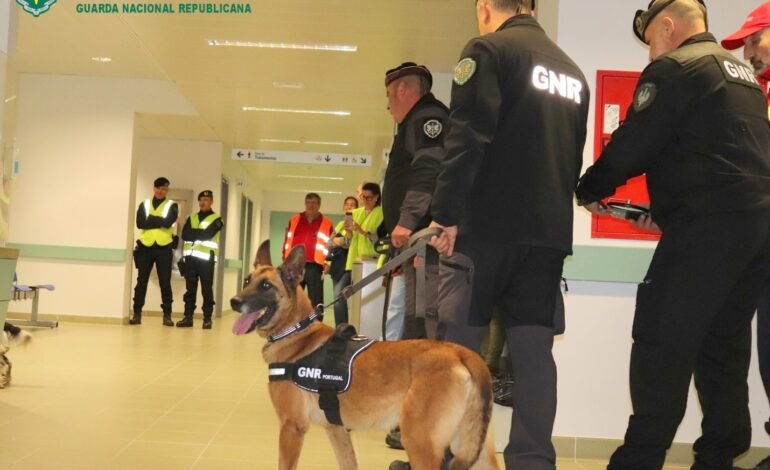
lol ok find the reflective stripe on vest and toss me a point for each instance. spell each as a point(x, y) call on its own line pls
point(322, 238)
point(159, 236)
point(202, 249)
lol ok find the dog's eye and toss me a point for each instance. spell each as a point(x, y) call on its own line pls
point(265, 285)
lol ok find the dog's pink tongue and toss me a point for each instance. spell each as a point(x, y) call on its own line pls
point(244, 322)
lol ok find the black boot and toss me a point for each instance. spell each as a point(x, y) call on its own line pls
point(393, 439)
point(207, 323)
point(185, 322)
point(136, 319)
point(167, 320)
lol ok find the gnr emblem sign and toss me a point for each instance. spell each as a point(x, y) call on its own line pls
point(36, 7)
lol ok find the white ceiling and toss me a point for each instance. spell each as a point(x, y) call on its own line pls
point(219, 81)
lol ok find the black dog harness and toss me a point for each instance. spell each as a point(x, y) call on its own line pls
point(327, 370)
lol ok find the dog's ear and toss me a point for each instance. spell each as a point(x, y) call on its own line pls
point(263, 255)
point(293, 269)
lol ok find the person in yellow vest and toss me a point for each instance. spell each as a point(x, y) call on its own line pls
point(201, 250)
point(313, 230)
point(156, 221)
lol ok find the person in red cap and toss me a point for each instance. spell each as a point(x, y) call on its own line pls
point(754, 37)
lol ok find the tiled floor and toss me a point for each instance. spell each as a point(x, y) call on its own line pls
point(88, 396)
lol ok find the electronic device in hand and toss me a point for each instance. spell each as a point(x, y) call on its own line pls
point(625, 210)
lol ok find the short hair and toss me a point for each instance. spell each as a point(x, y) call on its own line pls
point(351, 198)
point(313, 196)
point(688, 11)
point(373, 188)
point(417, 83)
point(512, 5)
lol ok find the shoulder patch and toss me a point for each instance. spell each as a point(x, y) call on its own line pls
point(433, 128)
point(644, 96)
point(464, 71)
point(735, 72)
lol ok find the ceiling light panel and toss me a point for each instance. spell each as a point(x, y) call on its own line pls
point(284, 45)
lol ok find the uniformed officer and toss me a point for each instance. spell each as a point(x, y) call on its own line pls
point(754, 37)
point(514, 152)
point(156, 221)
point(410, 178)
point(201, 250)
point(698, 128)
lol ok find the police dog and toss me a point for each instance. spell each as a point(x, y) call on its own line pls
point(439, 393)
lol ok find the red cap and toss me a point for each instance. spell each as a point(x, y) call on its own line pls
point(757, 19)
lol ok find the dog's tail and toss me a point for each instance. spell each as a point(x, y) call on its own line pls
point(474, 427)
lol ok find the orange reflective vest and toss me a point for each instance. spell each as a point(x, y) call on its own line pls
point(321, 243)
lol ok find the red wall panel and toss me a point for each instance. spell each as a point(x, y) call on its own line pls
point(615, 92)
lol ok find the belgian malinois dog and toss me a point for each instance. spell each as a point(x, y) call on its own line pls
point(440, 393)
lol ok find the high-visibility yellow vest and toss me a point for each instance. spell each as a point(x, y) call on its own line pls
point(159, 236)
point(322, 238)
point(202, 248)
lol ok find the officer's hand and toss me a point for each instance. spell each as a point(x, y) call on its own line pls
point(327, 268)
point(645, 222)
point(400, 236)
point(444, 243)
point(598, 208)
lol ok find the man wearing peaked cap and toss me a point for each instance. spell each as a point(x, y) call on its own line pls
point(156, 221)
point(414, 163)
point(698, 129)
point(201, 250)
point(754, 37)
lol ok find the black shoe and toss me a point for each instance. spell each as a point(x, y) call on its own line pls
point(136, 319)
point(399, 465)
point(186, 322)
point(502, 389)
point(167, 320)
point(393, 439)
point(206, 324)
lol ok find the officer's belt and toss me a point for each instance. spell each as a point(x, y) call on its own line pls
point(327, 370)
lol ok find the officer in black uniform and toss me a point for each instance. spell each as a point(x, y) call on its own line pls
point(698, 128)
point(410, 178)
point(201, 249)
point(156, 221)
point(514, 152)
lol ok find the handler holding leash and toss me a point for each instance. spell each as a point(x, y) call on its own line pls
point(517, 126)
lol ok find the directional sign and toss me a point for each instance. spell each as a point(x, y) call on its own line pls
point(255, 155)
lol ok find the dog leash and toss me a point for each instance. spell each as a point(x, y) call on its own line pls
point(417, 246)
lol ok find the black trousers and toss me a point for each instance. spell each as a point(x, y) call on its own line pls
point(314, 282)
point(144, 259)
point(763, 341)
point(196, 269)
point(693, 318)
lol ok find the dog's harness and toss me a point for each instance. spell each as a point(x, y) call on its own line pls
point(327, 370)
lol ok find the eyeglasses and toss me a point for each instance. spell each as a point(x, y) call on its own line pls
point(642, 18)
point(368, 198)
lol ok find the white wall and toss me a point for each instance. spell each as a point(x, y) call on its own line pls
point(75, 138)
point(5, 24)
point(593, 356)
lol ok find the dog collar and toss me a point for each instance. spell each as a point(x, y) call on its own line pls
point(295, 328)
